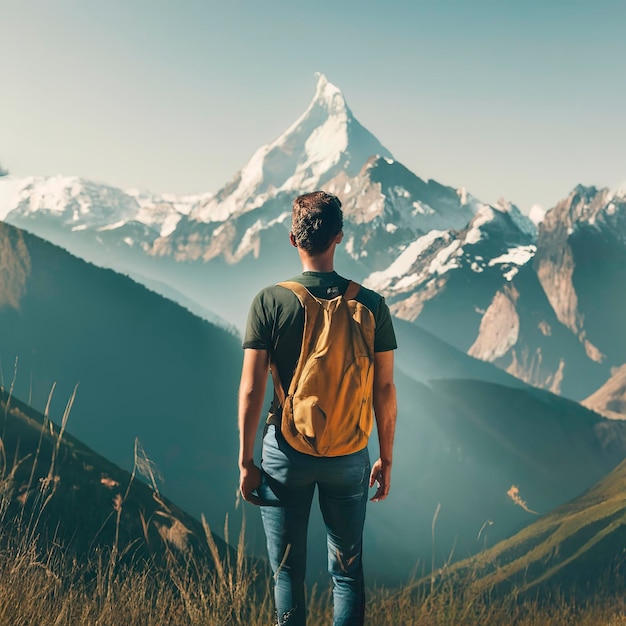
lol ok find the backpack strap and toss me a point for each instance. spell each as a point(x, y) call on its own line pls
point(304, 294)
point(352, 291)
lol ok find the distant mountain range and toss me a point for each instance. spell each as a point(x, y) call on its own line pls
point(204, 245)
point(540, 299)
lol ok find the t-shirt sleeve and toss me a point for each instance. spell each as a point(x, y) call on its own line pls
point(385, 336)
point(258, 335)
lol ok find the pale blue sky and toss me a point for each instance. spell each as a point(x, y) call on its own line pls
point(508, 98)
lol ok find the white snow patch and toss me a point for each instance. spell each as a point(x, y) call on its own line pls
point(169, 224)
point(400, 192)
point(445, 259)
point(391, 228)
point(536, 214)
point(113, 226)
point(519, 255)
point(404, 262)
point(511, 273)
point(407, 282)
point(79, 227)
point(349, 246)
point(483, 216)
point(128, 241)
point(422, 209)
point(10, 193)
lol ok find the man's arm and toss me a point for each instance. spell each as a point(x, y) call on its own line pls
point(385, 409)
point(251, 395)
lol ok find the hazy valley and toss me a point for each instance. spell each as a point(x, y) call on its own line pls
point(507, 326)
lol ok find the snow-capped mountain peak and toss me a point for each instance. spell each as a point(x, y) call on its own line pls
point(536, 214)
point(325, 140)
point(502, 211)
point(84, 204)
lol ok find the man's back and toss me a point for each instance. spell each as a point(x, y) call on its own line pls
point(276, 319)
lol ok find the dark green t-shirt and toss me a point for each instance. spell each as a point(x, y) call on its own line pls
point(276, 319)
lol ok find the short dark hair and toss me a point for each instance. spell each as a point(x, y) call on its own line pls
point(316, 219)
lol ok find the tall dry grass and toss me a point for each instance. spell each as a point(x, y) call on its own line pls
point(41, 587)
point(46, 589)
point(44, 584)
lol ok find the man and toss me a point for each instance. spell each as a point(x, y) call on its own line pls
point(288, 477)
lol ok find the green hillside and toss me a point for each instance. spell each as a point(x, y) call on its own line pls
point(577, 550)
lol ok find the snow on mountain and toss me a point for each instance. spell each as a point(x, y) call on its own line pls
point(536, 214)
point(323, 141)
point(387, 207)
point(498, 237)
point(399, 272)
point(78, 204)
point(385, 191)
point(555, 259)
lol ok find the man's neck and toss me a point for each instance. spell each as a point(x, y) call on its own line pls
point(324, 262)
point(317, 267)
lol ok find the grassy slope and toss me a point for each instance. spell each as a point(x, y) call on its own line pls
point(576, 549)
point(59, 491)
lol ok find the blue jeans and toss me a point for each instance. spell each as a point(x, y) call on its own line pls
point(289, 479)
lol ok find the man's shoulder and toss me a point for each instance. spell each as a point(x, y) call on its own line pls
point(279, 294)
point(370, 293)
point(274, 294)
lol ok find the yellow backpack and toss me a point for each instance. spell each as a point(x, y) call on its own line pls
point(328, 408)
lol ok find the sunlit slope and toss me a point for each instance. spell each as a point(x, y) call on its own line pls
point(577, 549)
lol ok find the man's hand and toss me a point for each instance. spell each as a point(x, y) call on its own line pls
point(249, 480)
point(381, 474)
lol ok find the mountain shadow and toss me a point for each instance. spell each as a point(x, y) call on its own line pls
point(62, 496)
point(145, 368)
